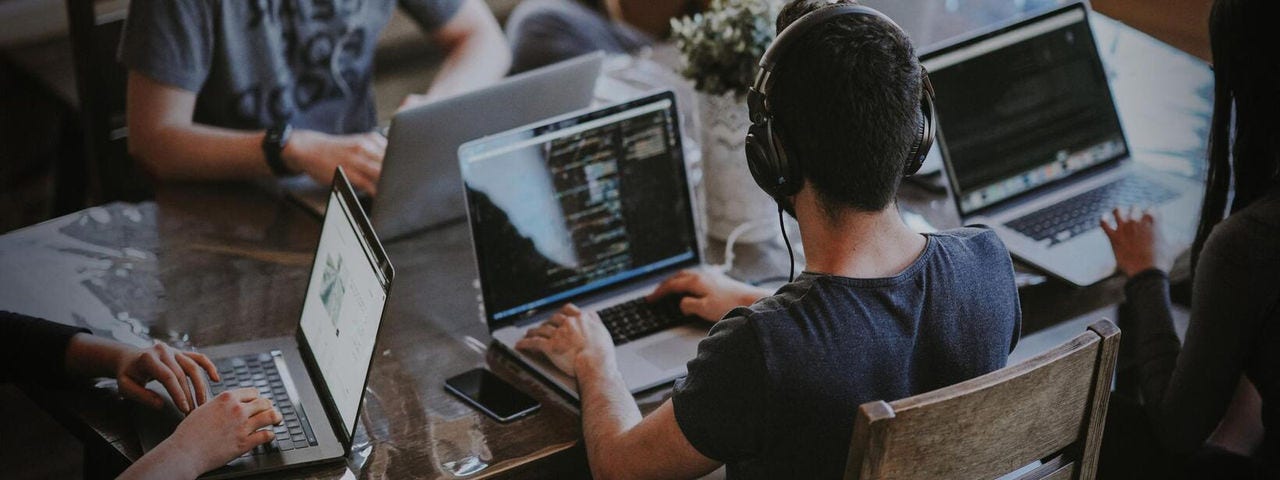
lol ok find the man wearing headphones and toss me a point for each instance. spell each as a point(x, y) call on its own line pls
point(841, 111)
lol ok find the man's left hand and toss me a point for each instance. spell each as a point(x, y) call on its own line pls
point(570, 338)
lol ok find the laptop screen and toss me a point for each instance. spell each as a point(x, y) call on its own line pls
point(342, 311)
point(1024, 107)
point(574, 205)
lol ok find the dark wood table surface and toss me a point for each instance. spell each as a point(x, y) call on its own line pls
point(209, 264)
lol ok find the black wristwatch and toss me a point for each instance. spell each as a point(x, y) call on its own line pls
point(273, 146)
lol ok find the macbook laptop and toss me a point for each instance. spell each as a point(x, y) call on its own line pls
point(591, 208)
point(1034, 148)
point(317, 377)
point(420, 187)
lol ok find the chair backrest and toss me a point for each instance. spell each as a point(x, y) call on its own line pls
point(1050, 409)
point(109, 173)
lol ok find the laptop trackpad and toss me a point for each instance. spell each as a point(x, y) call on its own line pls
point(669, 354)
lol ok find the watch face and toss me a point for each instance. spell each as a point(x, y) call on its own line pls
point(276, 135)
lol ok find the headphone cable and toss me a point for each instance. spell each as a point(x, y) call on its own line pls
point(790, 253)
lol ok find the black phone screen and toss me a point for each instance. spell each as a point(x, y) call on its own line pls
point(493, 396)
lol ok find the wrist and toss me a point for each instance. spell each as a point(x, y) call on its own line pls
point(593, 366)
point(275, 142)
point(1153, 272)
point(91, 356)
point(1137, 270)
point(177, 461)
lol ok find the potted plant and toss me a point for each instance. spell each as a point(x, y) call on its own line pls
point(721, 48)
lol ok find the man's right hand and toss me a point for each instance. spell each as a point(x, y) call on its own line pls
point(708, 295)
point(318, 154)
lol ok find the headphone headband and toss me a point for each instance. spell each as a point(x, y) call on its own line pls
point(797, 29)
point(767, 157)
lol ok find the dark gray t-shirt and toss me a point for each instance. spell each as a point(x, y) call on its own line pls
point(1235, 329)
point(258, 63)
point(775, 386)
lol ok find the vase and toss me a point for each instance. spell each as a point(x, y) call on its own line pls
point(732, 198)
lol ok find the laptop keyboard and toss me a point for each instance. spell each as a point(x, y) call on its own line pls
point(259, 371)
point(639, 318)
point(1080, 214)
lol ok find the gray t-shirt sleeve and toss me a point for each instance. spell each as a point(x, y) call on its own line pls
point(431, 14)
point(170, 41)
point(721, 406)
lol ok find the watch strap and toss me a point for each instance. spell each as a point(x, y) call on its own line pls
point(273, 148)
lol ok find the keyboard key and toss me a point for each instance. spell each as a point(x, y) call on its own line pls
point(259, 371)
point(639, 318)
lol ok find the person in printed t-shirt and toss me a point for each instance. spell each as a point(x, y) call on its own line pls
point(250, 88)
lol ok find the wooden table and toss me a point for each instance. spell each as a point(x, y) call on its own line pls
point(210, 264)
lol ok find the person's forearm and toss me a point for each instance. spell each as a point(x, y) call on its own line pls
point(200, 152)
point(92, 356)
point(473, 62)
point(165, 462)
point(608, 411)
point(1155, 341)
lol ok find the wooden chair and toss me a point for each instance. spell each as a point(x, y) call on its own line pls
point(1050, 409)
point(107, 173)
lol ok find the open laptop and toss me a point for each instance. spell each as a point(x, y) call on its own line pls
point(317, 377)
point(1034, 148)
point(420, 187)
point(591, 208)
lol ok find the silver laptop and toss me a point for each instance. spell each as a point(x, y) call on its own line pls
point(317, 377)
point(1034, 148)
point(420, 187)
point(592, 208)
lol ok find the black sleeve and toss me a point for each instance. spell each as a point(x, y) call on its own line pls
point(1187, 387)
point(722, 405)
point(33, 350)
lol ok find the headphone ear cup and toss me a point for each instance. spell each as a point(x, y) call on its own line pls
point(789, 179)
point(928, 129)
point(759, 150)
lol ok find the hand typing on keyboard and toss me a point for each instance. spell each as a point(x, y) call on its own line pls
point(708, 295)
point(1137, 241)
point(573, 340)
point(178, 371)
point(213, 434)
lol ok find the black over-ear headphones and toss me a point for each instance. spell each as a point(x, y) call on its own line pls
point(771, 167)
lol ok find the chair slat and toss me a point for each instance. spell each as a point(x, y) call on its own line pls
point(995, 424)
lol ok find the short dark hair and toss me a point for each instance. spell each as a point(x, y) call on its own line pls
point(846, 103)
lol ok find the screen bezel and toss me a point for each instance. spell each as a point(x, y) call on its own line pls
point(953, 182)
point(579, 117)
point(346, 194)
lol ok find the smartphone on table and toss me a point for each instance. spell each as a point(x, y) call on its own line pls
point(491, 395)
